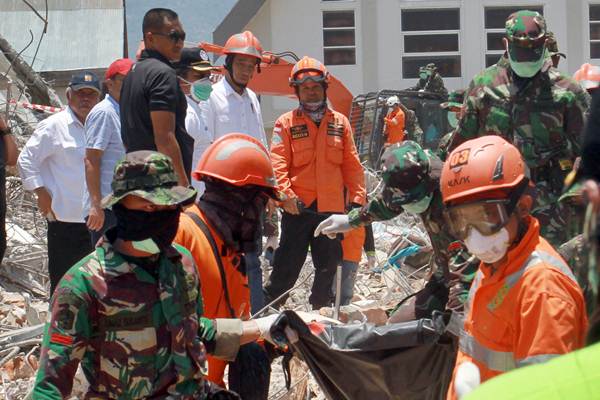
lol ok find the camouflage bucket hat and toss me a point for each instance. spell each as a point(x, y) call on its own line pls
point(526, 34)
point(149, 175)
point(406, 170)
point(455, 99)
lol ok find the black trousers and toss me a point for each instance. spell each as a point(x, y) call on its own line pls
point(109, 221)
point(68, 242)
point(297, 234)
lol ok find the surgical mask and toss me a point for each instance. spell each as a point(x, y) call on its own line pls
point(526, 69)
point(418, 207)
point(200, 89)
point(452, 119)
point(488, 249)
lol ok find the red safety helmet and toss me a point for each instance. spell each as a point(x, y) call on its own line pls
point(588, 76)
point(482, 167)
point(240, 160)
point(308, 69)
point(244, 43)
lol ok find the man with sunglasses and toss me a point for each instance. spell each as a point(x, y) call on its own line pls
point(525, 306)
point(315, 162)
point(153, 106)
point(535, 107)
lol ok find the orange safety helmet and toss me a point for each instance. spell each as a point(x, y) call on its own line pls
point(238, 159)
point(244, 43)
point(488, 165)
point(588, 76)
point(308, 69)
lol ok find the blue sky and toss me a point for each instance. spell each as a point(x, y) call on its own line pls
point(199, 17)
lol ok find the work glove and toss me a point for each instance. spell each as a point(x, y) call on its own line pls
point(337, 223)
point(371, 260)
point(265, 323)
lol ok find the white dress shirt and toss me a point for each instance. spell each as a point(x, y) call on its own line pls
point(53, 158)
point(196, 128)
point(228, 112)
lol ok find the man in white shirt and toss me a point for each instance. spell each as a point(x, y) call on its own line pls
point(51, 165)
point(232, 107)
point(194, 70)
point(103, 149)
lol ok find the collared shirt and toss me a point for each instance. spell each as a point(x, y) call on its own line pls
point(228, 112)
point(152, 85)
point(103, 132)
point(197, 129)
point(53, 158)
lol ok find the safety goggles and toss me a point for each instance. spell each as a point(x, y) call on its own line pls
point(174, 35)
point(488, 217)
point(314, 76)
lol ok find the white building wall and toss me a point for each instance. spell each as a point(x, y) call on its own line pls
point(292, 25)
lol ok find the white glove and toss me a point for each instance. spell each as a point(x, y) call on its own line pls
point(467, 379)
point(337, 223)
point(272, 242)
point(264, 326)
point(371, 261)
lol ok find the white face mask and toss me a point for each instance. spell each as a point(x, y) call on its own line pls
point(488, 249)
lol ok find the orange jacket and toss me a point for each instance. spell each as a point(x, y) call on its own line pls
point(353, 244)
point(531, 309)
point(317, 163)
point(394, 126)
point(191, 237)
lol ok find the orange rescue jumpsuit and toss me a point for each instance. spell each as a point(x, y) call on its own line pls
point(316, 163)
point(394, 126)
point(192, 238)
point(529, 310)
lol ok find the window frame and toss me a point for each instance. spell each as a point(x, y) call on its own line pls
point(588, 36)
point(458, 32)
point(499, 53)
point(344, 28)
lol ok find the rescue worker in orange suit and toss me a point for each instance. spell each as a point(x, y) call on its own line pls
point(525, 306)
point(394, 122)
point(219, 228)
point(314, 158)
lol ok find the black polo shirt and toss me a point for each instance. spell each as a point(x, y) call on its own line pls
point(152, 85)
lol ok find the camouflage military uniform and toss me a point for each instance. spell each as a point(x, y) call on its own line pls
point(455, 102)
point(406, 165)
point(430, 81)
point(133, 323)
point(542, 116)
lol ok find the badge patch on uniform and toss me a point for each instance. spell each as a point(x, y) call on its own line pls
point(58, 338)
point(299, 131)
point(335, 129)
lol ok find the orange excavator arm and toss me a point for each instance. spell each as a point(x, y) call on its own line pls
point(274, 77)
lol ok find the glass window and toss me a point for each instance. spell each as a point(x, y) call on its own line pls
point(430, 43)
point(495, 19)
point(424, 43)
point(448, 66)
point(431, 19)
point(594, 30)
point(339, 38)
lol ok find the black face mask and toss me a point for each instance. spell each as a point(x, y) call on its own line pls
point(238, 210)
point(136, 225)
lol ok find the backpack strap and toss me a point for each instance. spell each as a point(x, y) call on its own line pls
point(211, 240)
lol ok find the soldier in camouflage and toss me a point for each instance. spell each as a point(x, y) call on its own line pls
point(454, 107)
point(411, 184)
point(534, 106)
point(131, 311)
point(430, 81)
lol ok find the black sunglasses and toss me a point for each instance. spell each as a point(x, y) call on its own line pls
point(175, 36)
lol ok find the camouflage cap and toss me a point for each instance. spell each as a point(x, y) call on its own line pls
point(407, 172)
point(149, 175)
point(455, 99)
point(552, 45)
point(526, 28)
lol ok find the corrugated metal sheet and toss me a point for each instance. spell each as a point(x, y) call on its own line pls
point(76, 38)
